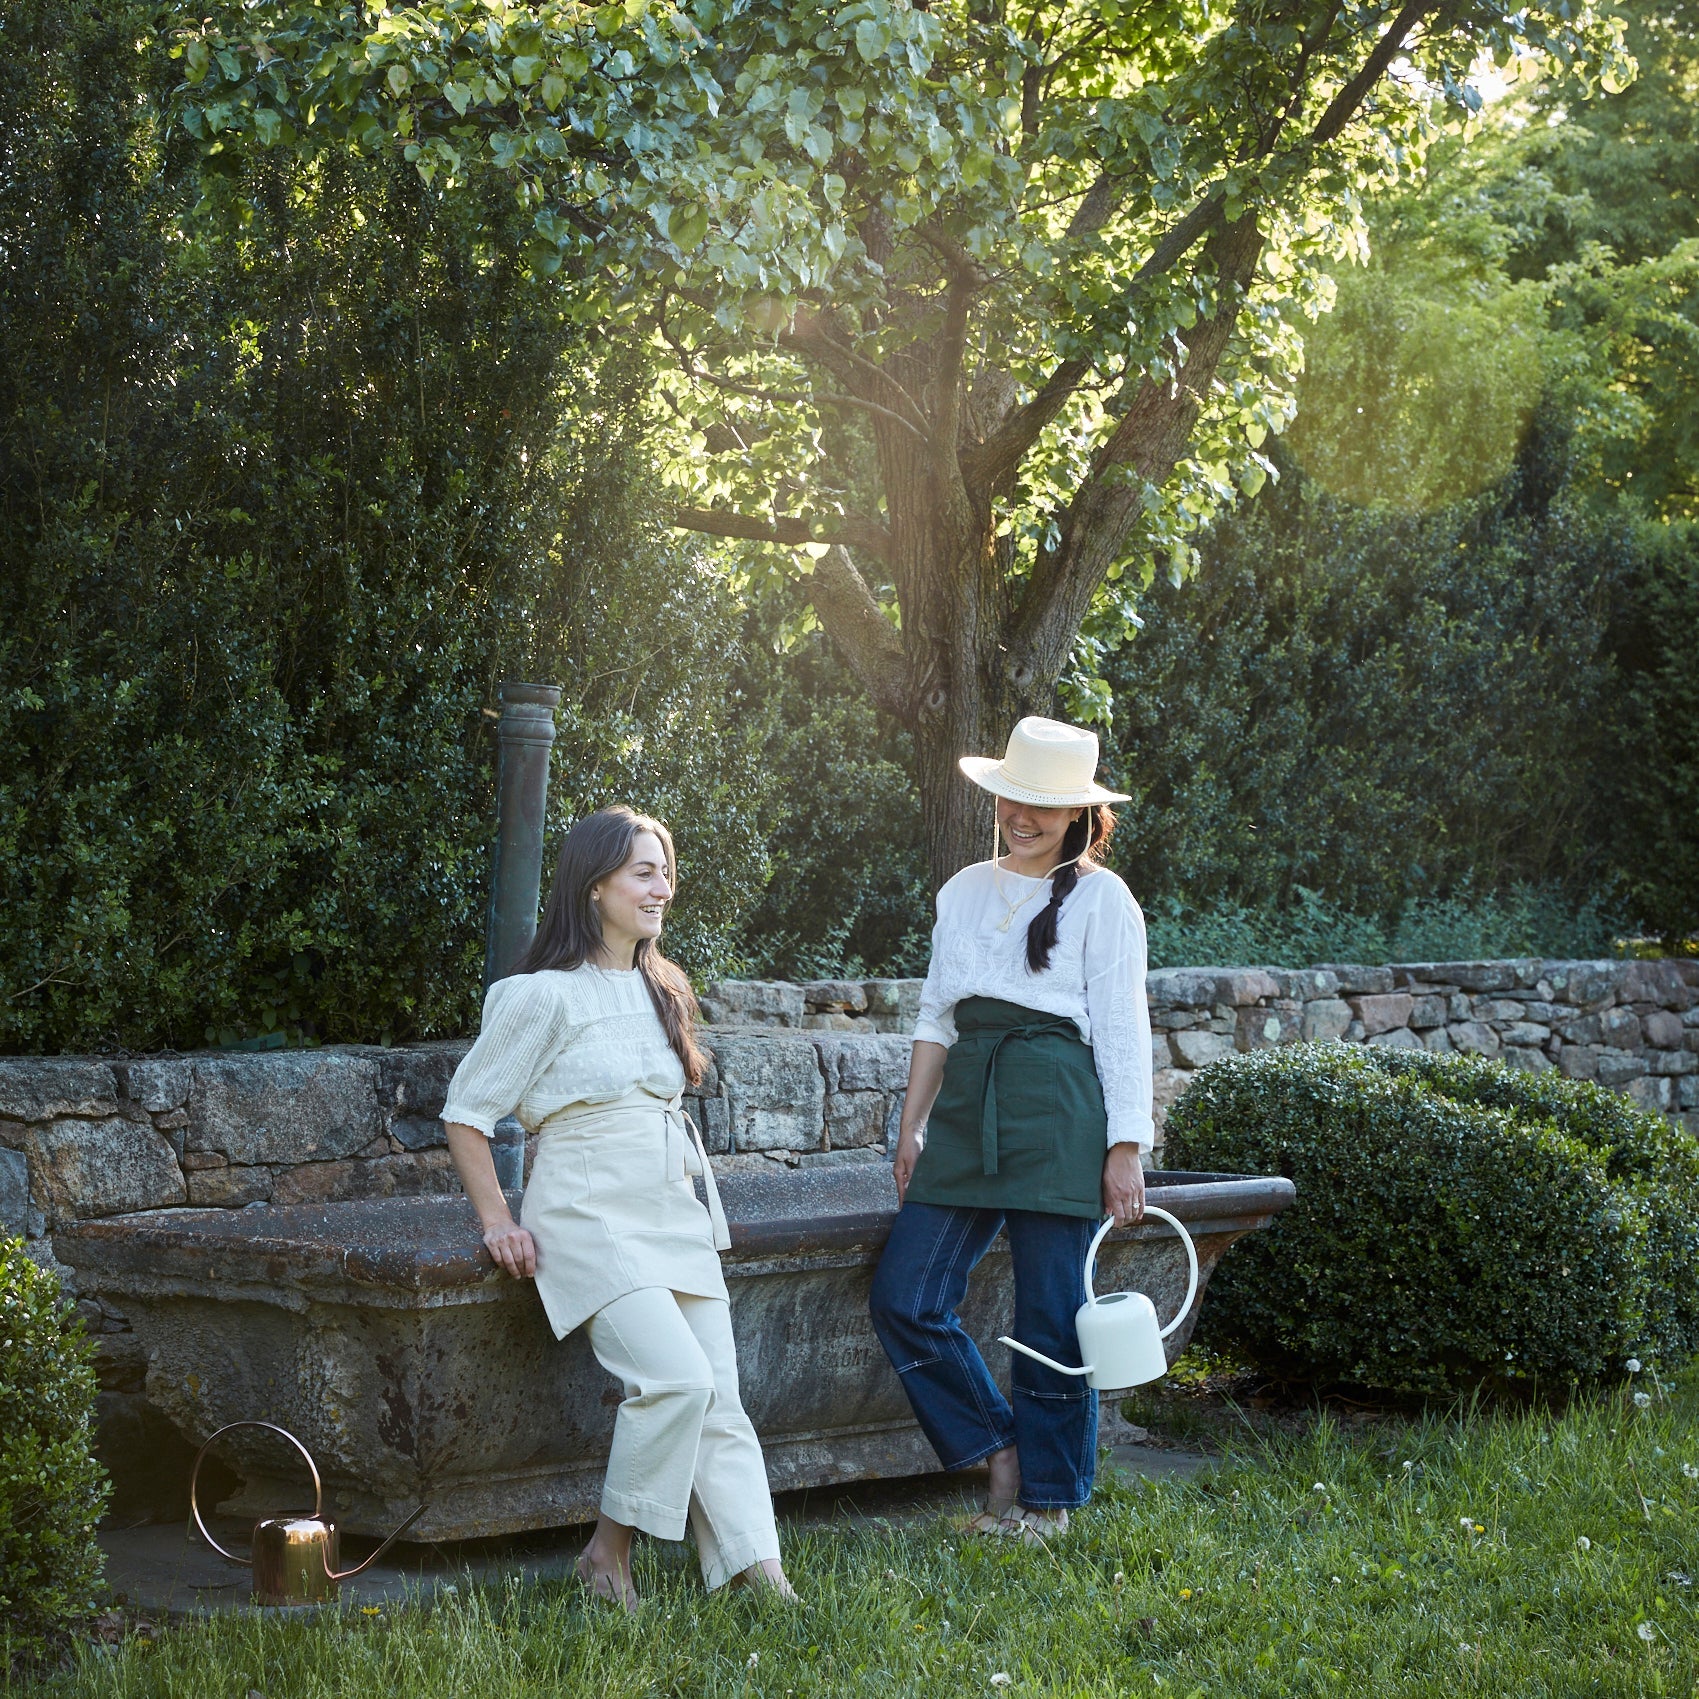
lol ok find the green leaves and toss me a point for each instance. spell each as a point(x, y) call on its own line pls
point(52, 1491)
point(1455, 1220)
point(686, 226)
point(871, 39)
point(1054, 174)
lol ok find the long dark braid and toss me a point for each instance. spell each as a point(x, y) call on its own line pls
point(1080, 843)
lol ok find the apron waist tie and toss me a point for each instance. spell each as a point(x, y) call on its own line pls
point(716, 1210)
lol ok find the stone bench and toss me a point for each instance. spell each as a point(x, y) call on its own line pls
point(380, 1333)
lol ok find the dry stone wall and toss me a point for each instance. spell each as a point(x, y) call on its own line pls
point(802, 1075)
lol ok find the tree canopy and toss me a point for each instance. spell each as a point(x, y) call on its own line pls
point(986, 307)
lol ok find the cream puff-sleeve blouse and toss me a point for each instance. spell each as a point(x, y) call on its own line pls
point(554, 1039)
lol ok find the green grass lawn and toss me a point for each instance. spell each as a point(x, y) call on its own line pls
point(1528, 1554)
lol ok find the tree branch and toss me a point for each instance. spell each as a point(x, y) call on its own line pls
point(1151, 436)
point(857, 624)
point(777, 398)
point(852, 530)
point(1355, 92)
point(1001, 453)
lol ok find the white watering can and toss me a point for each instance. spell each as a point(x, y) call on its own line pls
point(1119, 1335)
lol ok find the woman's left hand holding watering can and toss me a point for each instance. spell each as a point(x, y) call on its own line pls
point(1123, 1184)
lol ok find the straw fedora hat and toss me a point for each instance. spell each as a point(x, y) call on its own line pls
point(1047, 765)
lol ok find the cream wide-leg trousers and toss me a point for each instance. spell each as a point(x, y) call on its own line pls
point(683, 1449)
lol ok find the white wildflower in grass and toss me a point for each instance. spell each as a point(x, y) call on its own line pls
point(752, 1660)
point(1001, 1679)
point(1409, 1465)
point(1647, 1632)
point(1320, 1487)
point(1632, 1365)
point(1642, 1401)
point(1582, 1543)
point(1120, 1579)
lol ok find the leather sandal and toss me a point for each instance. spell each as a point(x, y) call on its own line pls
point(1034, 1527)
point(989, 1521)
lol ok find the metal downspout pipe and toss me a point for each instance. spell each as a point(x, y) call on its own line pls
point(526, 734)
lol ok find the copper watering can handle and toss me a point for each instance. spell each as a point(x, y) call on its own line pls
point(312, 1468)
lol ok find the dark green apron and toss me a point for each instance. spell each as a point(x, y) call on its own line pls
point(1019, 1122)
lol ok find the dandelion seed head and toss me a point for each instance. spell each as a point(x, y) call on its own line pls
point(1319, 1487)
point(1001, 1679)
point(1465, 1523)
point(1408, 1464)
point(752, 1660)
point(1582, 1543)
point(1120, 1578)
point(1691, 1471)
point(1632, 1365)
point(1642, 1400)
point(1647, 1632)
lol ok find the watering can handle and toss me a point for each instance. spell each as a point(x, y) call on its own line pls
point(194, 1477)
point(1191, 1262)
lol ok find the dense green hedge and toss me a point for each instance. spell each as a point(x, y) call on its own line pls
point(1456, 1220)
point(52, 1491)
point(277, 513)
point(1377, 707)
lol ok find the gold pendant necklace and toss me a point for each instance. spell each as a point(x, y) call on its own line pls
point(1011, 909)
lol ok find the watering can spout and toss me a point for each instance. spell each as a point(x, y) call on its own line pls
point(1119, 1332)
point(1039, 1357)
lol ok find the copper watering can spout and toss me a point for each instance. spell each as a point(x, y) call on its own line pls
point(293, 1561)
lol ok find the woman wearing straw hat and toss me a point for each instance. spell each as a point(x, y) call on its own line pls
point(1028, 1111)
point(590, 1041)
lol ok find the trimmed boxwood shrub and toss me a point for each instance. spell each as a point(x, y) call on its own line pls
point(1456, 1220)
point(52, 1491)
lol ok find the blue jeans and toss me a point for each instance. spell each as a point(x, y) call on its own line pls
point(919, 1284)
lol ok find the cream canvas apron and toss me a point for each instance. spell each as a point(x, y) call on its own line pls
point(612, 1208)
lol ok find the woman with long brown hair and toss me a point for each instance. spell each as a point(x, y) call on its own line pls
point(590, 1041)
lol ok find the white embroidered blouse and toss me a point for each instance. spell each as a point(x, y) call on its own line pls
point(553, 1039)
point(1095, 977)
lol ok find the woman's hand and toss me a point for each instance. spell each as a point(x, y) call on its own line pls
point(512, 1247)
point(902, 1165)
point(1123, 1184)
point(925, 1076)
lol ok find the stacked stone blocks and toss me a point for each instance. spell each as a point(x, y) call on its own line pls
point(801, 1074)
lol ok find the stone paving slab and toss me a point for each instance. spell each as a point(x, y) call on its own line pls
point(158, 1571)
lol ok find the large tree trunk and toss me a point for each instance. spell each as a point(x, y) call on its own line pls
point(968, 706)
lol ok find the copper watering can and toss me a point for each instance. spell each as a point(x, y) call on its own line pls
point(293, 1560)
point(1119, 1333)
